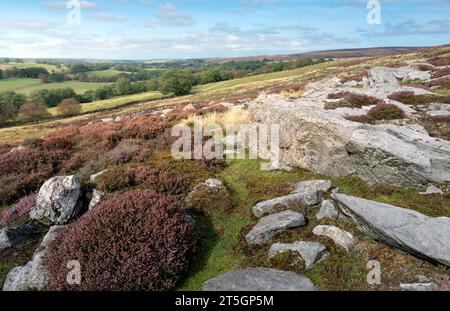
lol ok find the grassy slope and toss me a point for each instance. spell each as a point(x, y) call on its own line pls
point(17, 84)
point(77, 86)
point(101, 73)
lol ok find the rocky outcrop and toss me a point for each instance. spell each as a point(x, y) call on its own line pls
point(310, 252)
point(339, 236)
point(259, 279)
point(424, 236)
point(10, 237)
point(306, 193)
point(323, 141)
point(269, 226)
point(417, 287)
point(328, 210)
point(58, 201)
point(32, 276)
point(97, 198)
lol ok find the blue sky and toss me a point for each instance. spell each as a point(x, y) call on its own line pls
point(152, 29)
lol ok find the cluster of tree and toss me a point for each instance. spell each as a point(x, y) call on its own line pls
point(33, 73)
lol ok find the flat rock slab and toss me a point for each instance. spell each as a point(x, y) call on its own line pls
point(340, 237)
point(311, 252)
point(259, 279)
point(273, 224)
point(306, 193)
point(10, 237)
point(424, 236)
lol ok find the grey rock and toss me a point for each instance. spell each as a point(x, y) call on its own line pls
point(97, 198)
point(311, 252)
point(432, 190)
point(18, 149)
point(278, 166)
point(10, 237)
point(306, 193)
point(409, 73)
point(32, 276)
point(328, 210)
point(417, 287)
point(324, 142)
point(259, 279)
point(95, 176)
point(424, 236)
point(269, 226)
point(213, 183)
point(340, 237)
point(58, 200)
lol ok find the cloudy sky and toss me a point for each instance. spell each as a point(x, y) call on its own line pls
point(153, 29)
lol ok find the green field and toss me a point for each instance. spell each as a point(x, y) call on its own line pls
point(17, 84)
point(102, 73)
point(115, 102)
point(49, 68)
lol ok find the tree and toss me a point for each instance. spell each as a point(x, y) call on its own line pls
point(7, 111)
point(123, 86)
point(13, 98)
point(177, 82)
point(69, 107)
point(33, 112)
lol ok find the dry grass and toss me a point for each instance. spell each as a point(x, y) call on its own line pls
point(232, 117)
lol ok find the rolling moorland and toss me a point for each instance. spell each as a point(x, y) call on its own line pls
point(367, 151)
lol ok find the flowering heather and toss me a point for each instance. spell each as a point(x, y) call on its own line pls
point(139, 240)
point(440, 61)
point(384, 111)
point(19, 212)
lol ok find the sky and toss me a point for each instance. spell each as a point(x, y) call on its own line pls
point(168, 29)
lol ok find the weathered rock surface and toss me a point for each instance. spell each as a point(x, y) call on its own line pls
point(58, 201)
point(328, 210)
point(32, 276)
point(323, 141)
point(10, 237)
point(424, 236)
point(339, 236)
point(306, 193)
point(269, 226)
point(259, 279)
point(311, 252)
point(97, 198)
point(432, 190)
point(417, 287)
point(409, 73)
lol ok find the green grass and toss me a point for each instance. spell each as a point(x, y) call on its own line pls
point(102, 73)
point(114, 102)
point(443, 91)
point(49, 68)
point(17, 84)
point(78, 87)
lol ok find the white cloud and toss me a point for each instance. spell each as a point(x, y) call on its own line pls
point(109, 17)
point(62, 5)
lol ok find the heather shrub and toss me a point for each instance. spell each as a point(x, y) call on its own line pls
point(211, 201)
point(139, 240)
point(128, 150)
point(439, 61)
point(397, 65)
point(354, 100)
point(443, 82)
point(19, 212)
point(357, 76)
point(425, 67)
point(115, 179)
point(384, 111)
point(338, 95)
point(402, 96)
point(408, 98)
point(441, 73)
point(360, 118)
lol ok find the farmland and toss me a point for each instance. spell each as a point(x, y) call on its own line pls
point(27, 86)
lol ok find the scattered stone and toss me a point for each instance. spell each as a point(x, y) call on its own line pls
point(107, 120)
point(95, 176)
point(417, 287)
point(328, 210)
point(213, 183)
point(58, 200)
point(306, 193)
point(278, 166)
point(311, 252)
point(269, 226)
point(189, 107)
point(432, 190)
point(97, 198)
point(259, 279)
point(339, 236)
point(10, 237)
point(18, 149)
point(424, 236)
point(33, 276)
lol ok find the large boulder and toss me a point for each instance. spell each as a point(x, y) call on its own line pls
point(13, 236)
point(58, 201)
point(32, 276)
point(424, 236)
point(259, 279)
point(311, 252)
point(269, 226)
point(306, 193)
point(323, 141)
